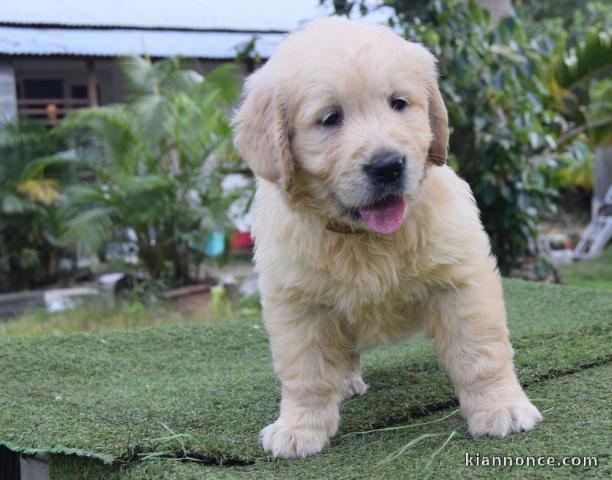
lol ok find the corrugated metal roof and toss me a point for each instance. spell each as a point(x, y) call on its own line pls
point(88, 42)
point(258, 15)
point(194, 28)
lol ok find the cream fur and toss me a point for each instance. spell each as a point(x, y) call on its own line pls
point(328, 296)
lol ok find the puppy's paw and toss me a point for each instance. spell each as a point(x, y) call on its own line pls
point(288, 442)
point(353, 385)
point(519, 416)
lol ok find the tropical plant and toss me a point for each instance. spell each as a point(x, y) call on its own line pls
point(155, 165)
point(574, 17)
point(579, 82)
point(584, 89)
point(30, 220)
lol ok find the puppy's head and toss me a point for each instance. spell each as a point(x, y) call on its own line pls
point(346, 118)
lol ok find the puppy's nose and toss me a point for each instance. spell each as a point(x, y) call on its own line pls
point(385, 167)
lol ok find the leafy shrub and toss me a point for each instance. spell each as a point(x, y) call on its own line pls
point(154, 165)
point(583, 88)
point(30, 220)
point(584, 95)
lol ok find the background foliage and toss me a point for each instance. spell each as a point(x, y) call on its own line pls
point(156, 165)
point(30, 220)
point(506, 107)
point(148, 171)
point(529, 99)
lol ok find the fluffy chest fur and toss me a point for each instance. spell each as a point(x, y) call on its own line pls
point(378, 284)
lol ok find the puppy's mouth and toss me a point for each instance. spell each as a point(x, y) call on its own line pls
point(385, 216)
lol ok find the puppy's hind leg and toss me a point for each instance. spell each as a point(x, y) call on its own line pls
point(469, 325)
point(311, 364)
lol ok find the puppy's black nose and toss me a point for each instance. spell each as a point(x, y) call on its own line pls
point(385, 167)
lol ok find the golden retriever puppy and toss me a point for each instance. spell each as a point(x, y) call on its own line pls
point(363, 234)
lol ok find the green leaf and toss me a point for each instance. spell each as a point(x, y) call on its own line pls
point(589, 59)
point(90, 229)
point(37, 167)
point(13, 204)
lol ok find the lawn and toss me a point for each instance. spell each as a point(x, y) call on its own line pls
point(125, 315)
point(188, 401)
point(92, 318)
point(592, 272)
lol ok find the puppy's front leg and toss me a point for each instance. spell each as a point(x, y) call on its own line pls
point(312, 364)
point(353, 382)
point(469, 325)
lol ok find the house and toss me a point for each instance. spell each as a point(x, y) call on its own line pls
point(57, 55)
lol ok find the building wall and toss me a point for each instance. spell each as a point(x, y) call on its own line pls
point(14, 71)
point(8, 101)
point(73, 72)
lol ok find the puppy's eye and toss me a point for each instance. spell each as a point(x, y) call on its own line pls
point(331, 118)
point(398, 104)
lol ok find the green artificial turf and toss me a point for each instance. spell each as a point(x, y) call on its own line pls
point(576, 408)
point(204, 392)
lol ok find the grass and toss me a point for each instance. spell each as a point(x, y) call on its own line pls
point(91, 318)
point(594, 272)
point(179, 401)
point(126, 315)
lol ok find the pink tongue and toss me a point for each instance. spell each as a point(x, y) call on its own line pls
point(384, 217)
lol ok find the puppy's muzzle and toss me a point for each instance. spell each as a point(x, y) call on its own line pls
point(386, 169)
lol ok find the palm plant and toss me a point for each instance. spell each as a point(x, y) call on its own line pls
point(155, 164)
point(30, 220)
point(579, 80)
point(583, 88)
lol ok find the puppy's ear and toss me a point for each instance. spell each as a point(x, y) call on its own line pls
point(438, 121)
point(261, 131)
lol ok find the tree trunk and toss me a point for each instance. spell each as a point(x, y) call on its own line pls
point(497, 8)
point(602, 175)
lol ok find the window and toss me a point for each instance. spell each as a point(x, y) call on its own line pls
point(78, 91)
point(44, 88)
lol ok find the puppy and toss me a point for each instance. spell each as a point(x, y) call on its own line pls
point(363, 234)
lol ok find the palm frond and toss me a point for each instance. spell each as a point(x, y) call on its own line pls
point(43, 190)
point(175, 74)
point(134, 185)
point(181, 81)
point(580, 87)
point(112, 135)
point(14, 135)
point(85, 193)
point(37, 167)
point(137, 73)
point(153, 109)
point(90, 229)
point(224, 78)
point(13, 204)
point(590, 58)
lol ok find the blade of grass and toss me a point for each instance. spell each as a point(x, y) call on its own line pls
point(400, 451)
point(440, 448)
point(177, 436)
point(153, 455)
point(169, 438)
